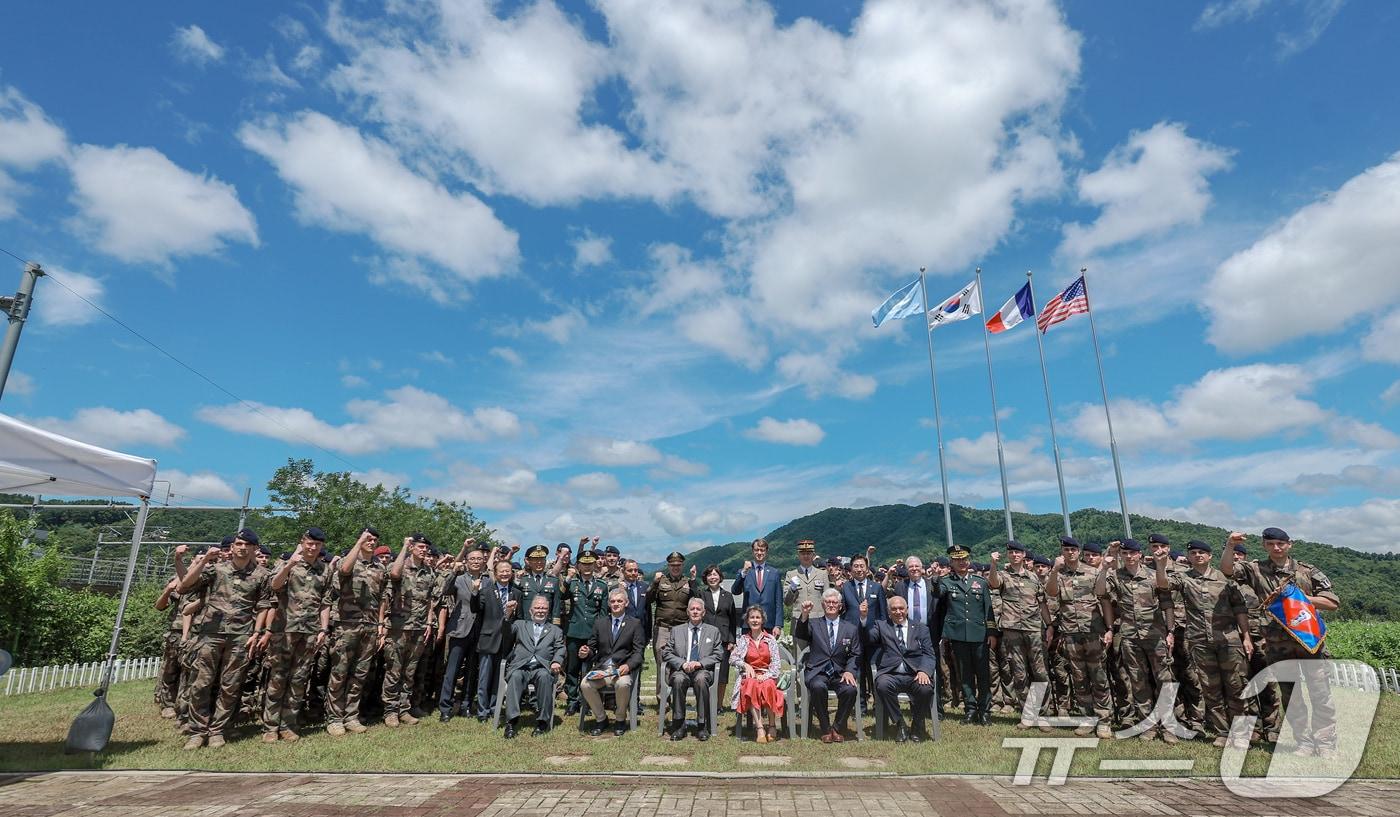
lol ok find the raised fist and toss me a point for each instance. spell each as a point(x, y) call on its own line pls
point(864, 608)
point(181, 550)
point(1236, 537)
point(996, 557)
point(748, 566)
point(294, 558)
point(806, 607)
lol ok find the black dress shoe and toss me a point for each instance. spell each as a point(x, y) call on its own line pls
point(918, 736)
point(444, 717)
point(941, 713)
point(572, 709)
point(984, 719)
point(703, 736)
point(678, 734)
point(510, 730)
point(969, 718)
point(540, 728)
point(598, 728)
point(620, 730)
point(902, 736)
point(482, 718)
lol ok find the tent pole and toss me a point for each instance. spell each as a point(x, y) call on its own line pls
point(126, 591)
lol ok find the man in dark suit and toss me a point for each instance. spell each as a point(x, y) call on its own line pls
point(904, 661)
point(762, 585)
point(692, 655)
point(832, 662)
point(636, 593)
point(864, 600)
point(616, 647)
point(537, 656)
point(498, 604)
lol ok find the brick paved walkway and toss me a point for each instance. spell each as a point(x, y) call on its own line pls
point(194, 794)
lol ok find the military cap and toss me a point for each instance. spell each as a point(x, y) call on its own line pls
point(833, 561)
point(1275, 533)
point(516, 566)
point(1041, 560)
point(957, 552)
point(587, 558)
point(1158, 539)
point(1174, 554)
point(226, 541)
point(201, 550)
point(978, 567)
point(419, 537)
point(806, 545)
point(1012, 544)
point(1132, 544)
point(537, 552)
point(1197, 544)
point(942, 561)
point(383, 550)
point(901, 572)
point(265, 550)
point(1069, 542)
point(1241, 549)
point(285, 555)
point(433, 551)
point(248, 536)
point(675, 557)
point(325, 556)
point(1092, 547)
point(315, 533)
point(563, 546)
point(611, 550)
point(372, 531)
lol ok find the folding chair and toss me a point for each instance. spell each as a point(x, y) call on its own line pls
point(663, 705)
point(806, 715)
point(882, 718)
point(609, 696)
point(498, 718)
point(789, 697)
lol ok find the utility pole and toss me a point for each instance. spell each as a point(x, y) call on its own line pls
point(18, 309)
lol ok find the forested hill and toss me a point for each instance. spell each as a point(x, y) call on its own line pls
point(1369, 584)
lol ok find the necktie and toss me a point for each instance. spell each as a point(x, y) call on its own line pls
point(759, 580)
point(617, 622)
point(831, 631)
point(917, 592)
point(634, 597)
point(505, 596)
point(899, 634)
point(694, 643)
point(806, 574)
point(539, 631)
point(860, 591)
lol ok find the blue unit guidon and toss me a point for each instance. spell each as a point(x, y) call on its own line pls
point(1298, 616)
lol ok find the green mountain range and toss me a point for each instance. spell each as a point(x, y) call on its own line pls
point(1368, 583)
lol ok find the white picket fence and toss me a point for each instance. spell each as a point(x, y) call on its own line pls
point(42, 679)
point(1386, 679)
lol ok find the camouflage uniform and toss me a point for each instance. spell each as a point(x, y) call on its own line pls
point(1184, 671)
point(296, 628)
point(1080, 626)
point(1057, 699)
point(1213, 637)
point(1022, 641)
point(1319, 731)
point(171, 667)
point(1264, 706)
point(1142, 651)
point(231, 606)
point(355, 643)
point(410, 600)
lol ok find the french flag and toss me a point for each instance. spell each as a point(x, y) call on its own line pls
point(1013, 311)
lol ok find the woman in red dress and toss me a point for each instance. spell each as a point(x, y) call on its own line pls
point(758, 659)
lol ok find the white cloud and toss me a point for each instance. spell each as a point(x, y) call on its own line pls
point(28, 138)
point(488, 490)
point(266, 70)
point(1350, 239)
point(353, 381)
point(786, 432)
point(381, 477)
point(1316, 15)
point(192, 45)
point(677, 520)
point(673, 466)
point(20, 384)
point(1372, 478)
point(411, 418)
point(348, 182)
point(822, 374)
point(615, 453)
point(592, 250)
point(1367, 435)
point(508, 354)
point(559, 328)
point(1373, 525)
point(1382, 343)
point(568, 527)
point(1391, 395)
point(1154, 182)
point(594, 484)
point(678, 279)
point(723, 327)
point(436, 356)
point(60, 307)
point(115, 428)
point(193, 489)
point(139, 206)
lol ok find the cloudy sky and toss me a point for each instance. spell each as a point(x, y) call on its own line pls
point(607, 267)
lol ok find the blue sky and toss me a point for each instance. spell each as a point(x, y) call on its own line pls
point(606, 268)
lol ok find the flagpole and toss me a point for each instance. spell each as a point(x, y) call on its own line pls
point(1050, 411)
point(937, 417)
point(996, 421)
point(1103, 385)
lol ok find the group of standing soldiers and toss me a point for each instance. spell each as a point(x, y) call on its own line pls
point(1154, 643)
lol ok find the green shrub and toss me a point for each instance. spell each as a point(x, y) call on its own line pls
point(1373, 642)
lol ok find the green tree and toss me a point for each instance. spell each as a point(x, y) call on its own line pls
point(27, 578)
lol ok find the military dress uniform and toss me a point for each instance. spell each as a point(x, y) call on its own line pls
point(1022, 634)
point(296, 630)
point(668, 596)
point(542, 584)
point(410, 599)
point(803, 584)
point(965, 608)
point(1142, 633)
point(1214, 605)
point(1318, 732)
point(358, 594)
point(588, 599)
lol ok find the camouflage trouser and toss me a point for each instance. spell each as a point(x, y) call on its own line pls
point(1265, 705)
point(189, 650)
point(1319, 730)
point(1057, 667)
point(254, 686)
point(996, 669)
point(352, 658)
point(1118, 687)
point(1147, 666)
point(402, 651)
point(1222, 666)
point(1188, 693)
point(171, 668)
point(949, 681)
point(1084, 655)
point(1024, 652)
point(290, 657)
point(215, 693)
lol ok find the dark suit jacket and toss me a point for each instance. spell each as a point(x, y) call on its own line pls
point(770, 598)
point(930, 613)
point(825, 658)
point(724, 616)
point(495, 627)
point(918, 653)
point(549, 649)
point(874, 593)
point(641, 610)
point(627, 649)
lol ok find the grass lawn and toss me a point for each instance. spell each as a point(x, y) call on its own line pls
point(33, 728)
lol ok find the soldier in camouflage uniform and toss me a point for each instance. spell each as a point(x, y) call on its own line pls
point(1021, 620)
point(1080, 626)
point(359, 581)
point(300, 626)
point(1144, 629)
point(1217, 633)
point(238, 590)
point(1264, 706)
point(1318, 734)
point(404, 611)
point(588, 596)
point(168, 682)
point(1188, 691)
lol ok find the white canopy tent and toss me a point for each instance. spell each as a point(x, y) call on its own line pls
point(34, 461)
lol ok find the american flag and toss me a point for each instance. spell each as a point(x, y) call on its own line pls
point(1073, 301)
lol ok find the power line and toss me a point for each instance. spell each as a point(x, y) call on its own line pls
point(253, 407)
